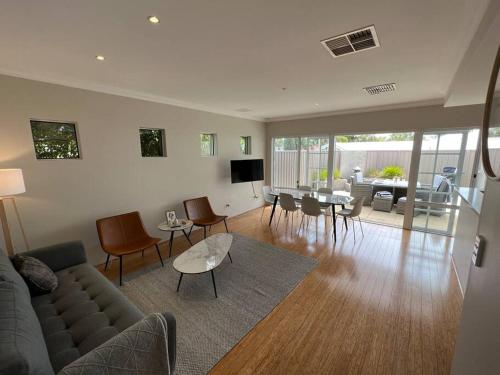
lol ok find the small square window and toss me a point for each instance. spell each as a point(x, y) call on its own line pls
point(152, 143)
point(246, 145)
point(55, 140)
point(208, 144)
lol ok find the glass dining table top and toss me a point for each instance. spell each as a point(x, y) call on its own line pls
point(337, 197)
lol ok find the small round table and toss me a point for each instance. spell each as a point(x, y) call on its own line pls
point(183, 225)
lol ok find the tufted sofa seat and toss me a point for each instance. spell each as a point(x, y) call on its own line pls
point(83, 312)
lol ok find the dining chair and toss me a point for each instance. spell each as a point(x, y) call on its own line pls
point(310, 208)
point(326, 206)
point(287, 204)
point(352, 213)
point(123, 235)
point(268, 198)
point(199, 211)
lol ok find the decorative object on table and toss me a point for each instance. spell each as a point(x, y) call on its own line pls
point(491, 124)
point(39, 277)
point(183, 225)
point(205, 256)
point(123, 235)
point(11, 183)
point(260, 278)
point(171, 218)
point(200, 212)
point(383, 201)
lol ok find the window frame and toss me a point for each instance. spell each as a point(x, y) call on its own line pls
point(163, 139)
point(247, 145)
point(213, 145)
point(76, 134)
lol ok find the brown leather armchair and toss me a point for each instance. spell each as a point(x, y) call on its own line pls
point(200, 212)
point(124, 234)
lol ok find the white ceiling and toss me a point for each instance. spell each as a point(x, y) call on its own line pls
point(224, 55)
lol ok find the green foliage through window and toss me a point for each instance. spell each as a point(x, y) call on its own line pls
point(152, 142)
point(246, 145)
point(207, 144)
point(392, 171)
point(54, 140)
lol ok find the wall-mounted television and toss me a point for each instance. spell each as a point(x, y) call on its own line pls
point(247, 170)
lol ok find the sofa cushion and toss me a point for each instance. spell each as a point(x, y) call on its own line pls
point(22, 346)
point(83, 312)
point(38, 275)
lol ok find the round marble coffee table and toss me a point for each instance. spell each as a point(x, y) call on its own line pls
point(183, 226)
point(205, 256)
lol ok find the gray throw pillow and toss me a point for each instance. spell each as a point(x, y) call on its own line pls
point(38, 275)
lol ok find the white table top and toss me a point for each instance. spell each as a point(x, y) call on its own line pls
point(392, 183)
point(165, 227)
point(337, 197)
point(205, 255)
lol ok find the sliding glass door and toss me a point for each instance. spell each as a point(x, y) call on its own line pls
point(447, 160)
point(300, 161)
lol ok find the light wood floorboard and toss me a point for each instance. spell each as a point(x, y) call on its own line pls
point(387, 303)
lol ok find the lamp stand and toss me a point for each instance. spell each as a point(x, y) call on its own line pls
point(5, 226)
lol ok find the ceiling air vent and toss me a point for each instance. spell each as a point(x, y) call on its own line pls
point(379, 89)
point(352, 42)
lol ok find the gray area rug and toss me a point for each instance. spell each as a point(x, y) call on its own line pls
point(248, 289)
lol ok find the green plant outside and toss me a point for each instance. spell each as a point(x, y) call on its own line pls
point(392, 171)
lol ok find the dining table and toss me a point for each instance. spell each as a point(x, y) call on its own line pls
point(336, 198)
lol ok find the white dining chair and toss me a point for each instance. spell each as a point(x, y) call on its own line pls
point(352, 213)
point(268, 198)
point(326, 206)
point(310, 208)
point(287, 204)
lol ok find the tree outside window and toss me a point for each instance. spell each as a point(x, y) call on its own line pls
point(55, 140)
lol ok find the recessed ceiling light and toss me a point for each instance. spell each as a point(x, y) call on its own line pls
point(100, 57)
point(154, 20)
point(316, 104)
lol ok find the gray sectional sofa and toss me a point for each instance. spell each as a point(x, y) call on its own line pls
point(41, 335)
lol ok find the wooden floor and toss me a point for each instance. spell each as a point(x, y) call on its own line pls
point(388, 303)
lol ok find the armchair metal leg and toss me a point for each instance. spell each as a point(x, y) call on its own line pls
point(279, 218)
point(231, 259)
point(158, 251)
point(187, 237)
point(107, 261)
point(353, 229)
point(204, 232)
point(225, 224)
point(121, 269)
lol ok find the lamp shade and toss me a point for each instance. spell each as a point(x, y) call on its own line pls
point(11, 182)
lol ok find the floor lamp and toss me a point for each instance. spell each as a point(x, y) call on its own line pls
point(11, 183)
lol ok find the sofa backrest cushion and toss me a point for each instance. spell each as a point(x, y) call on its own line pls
point(22, 346)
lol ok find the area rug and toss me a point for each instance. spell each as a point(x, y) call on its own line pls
point(248, 289)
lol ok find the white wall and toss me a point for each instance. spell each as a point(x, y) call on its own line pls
point(478, 341)
point(65, 197)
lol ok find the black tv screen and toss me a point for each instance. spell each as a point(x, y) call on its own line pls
point(247, 170)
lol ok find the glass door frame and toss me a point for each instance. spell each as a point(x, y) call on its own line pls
point(298, 171)
point(415, 171)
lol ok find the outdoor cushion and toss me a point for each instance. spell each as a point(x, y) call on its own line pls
point(22, 346)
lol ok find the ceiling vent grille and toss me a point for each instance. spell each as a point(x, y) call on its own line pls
point(379, 89)
point(352, 42)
